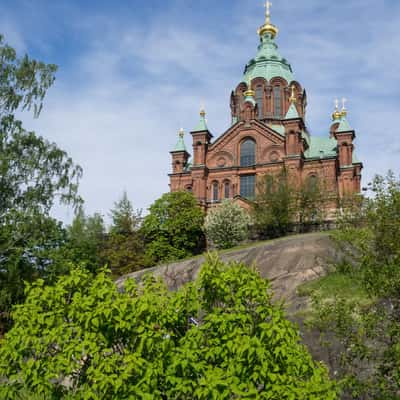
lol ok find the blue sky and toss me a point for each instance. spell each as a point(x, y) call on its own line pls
point(131, 73)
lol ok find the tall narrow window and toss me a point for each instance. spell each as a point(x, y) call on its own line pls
point(260, 101)
point(247, 186)
point(248, 153)
point(277, 102)
point(215, 191)
point(227, 191)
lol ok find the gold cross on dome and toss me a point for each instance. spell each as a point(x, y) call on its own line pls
point(344, 101)
point(268, 5)
point(336, 104)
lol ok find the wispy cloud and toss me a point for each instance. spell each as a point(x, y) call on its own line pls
point(127, 83)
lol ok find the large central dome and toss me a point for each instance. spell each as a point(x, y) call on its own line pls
point(268, 63)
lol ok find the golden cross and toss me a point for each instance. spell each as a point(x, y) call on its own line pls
point(268, 5)
point(336, 104)
point(344, 101)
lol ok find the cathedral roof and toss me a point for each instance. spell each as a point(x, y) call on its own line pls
point(180, 145)
point(344, 125)
point(321, 147)
point(202, 125)
point(292, 112)
point(268, 63)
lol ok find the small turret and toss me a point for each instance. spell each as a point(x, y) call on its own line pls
point(201, 139)
point(180, 155)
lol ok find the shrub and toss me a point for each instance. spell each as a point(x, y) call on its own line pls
point(218, 338)
point(227, 225)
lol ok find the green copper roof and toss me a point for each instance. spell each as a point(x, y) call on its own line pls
point(180, 146)
point(344, 126)
point(202, 125)
point(278, 128)
point(292, 112)
point(321, 147)
point(188, 166)
point(355, 159)
point(268, 63)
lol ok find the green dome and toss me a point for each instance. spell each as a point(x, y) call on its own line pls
point(268, 63)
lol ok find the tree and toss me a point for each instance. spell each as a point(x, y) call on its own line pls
point(282, 204)
point(272, 209)
point(173, 228)
point(86, 237)
point(123, 250)
point(227, 225)
point(368, 331)
point(34, 174)
point(220, 337)
point(310, 203)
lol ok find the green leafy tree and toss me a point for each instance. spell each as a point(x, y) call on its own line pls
point(369, 332)
point(227, 225)
point(310, 201)
point(273, 211)
point(220, 337)
point(281, 204)
point(173, 229)
point(123, 250)
point(34, 174)
point(86, 237)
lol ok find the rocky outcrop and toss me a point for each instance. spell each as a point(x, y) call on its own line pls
point(286, 262)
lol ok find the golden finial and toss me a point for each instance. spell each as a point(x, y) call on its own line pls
point(268, 27)
point(181, 133)
point(343, 113)
point(336, 114)
point(202, 110)
point(293, 98)
point(249, 92)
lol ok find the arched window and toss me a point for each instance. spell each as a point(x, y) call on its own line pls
point(189, 189)
point(248, 153)
point(277, 102)
point(260, 101)
point(215, 194)
point(227, 190)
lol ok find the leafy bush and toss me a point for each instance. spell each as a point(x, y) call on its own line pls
point(368, 332)
point(227, 225)
point(218, 338)
point(173, 228)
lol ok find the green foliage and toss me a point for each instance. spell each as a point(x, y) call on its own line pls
point(272, 208)
point(368, 332)
point(34, 174)
point(123, 249)
point(310, 202)
point(227, 225)
point(85, 240)
point(124, 218)
point(218, 338)
point(173, 228)
point(281, 204)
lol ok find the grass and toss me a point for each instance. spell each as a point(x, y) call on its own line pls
point(336, 284)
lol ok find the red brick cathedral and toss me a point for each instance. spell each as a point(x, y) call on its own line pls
point(268, 132)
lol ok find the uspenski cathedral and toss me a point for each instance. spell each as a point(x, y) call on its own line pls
point(268, 133)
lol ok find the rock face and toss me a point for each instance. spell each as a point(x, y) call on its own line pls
point(286, 262)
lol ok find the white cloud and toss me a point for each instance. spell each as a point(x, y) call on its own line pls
point(117, 107)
